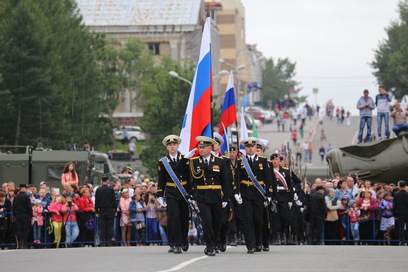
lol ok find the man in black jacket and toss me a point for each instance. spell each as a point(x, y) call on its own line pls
point(210, 179)
point(317, 211)
point(400, 209)
point(22, 211)
point(177, 206)
point(105, 209)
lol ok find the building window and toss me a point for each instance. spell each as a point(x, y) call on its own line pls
point(154, 47)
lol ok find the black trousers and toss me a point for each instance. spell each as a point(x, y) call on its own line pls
point(106, 217)
point(316, 228)
point(225, 213)
point(282, 223)
point(401, 231)
point(236, 224)
point(177, 222)
point(253, 219)
point(22, 227)
point(267, 226)
point(211, 220)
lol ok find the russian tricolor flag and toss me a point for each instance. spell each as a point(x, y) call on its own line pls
point(197, 120)
point(229, 112)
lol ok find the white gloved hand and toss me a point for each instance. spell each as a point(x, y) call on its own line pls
point(161, 202)
point(299, 203)
point(269, 199)
point(190, 153)
point(295, 197)
point(302, 209)
point(224, 204)
point(290, 205)
point(238, 198)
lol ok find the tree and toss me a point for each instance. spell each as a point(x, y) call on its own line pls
point(51, 84)
point(278, 78)
point(391, 57)
point(165, 100)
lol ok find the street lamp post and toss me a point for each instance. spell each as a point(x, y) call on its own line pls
point(176, 75)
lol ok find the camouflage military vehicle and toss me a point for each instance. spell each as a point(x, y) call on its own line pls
point(24, 164)
point(383, 161)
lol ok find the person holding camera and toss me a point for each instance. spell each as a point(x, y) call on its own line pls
point(400, 119)
point(70, 220)
point(366, 106)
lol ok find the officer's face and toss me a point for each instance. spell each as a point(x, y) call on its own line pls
point(275, 162)
point(216, 147)
point(233, 154)
point(259, 151)
point(205, 151)
point(172, 147)
point(250, 149)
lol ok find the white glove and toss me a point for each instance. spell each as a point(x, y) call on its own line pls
point(269, 199)
point(299, 203)
point(238, 198)
point(290, 205)
point(190, 153)
point(266, 203)
point(302, 209)
point(295, 197)
point(224, 204)
point(161, 202)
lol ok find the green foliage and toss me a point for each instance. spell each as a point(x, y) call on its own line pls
point(277, 78)
point(391, 57)
point(165, 100)
point(51, 85)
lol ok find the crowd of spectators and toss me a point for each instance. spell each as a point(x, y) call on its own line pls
point(359, 211)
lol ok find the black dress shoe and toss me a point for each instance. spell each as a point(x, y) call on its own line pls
point(223, 247)
point(258, 248)
point(265, 248)
point(211, 253)
point(205, 251)
point(217, 250)
point(177, 250)
point(184, 247)
point(250, 251)
point(171, 250)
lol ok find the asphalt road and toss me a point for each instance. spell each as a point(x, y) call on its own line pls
point(156, 258)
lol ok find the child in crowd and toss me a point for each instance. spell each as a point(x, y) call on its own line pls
point(192, 234)
point(343, 216)
point(37, 221)
point(55, 209)
point(387, 217)
point(354, 213)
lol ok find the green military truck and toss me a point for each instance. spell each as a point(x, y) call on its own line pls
point(24, 164)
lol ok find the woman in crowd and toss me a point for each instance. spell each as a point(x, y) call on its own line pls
point(70, 220)
point(125, 222)
point(331, 224)
point(56, 216)
point(136, 208)
point(367, 205)
point(86, 205)
point(5, 209)
point(342, 190)
point(69, 175)
point(152, 226)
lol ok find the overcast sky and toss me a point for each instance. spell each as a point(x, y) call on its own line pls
point(332, 42)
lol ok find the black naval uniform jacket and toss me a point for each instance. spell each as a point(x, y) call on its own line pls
point(166, 186)
point(262, 173)
point(283, 195)
point(215, 174)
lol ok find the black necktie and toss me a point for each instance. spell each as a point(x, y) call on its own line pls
point(250, 159)
point(205, 161)
point(174, 160)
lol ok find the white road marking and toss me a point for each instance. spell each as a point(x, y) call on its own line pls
point(184, 264)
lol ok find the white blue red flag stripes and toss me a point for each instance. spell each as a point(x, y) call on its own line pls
point(229, 112)
point(197, 120)
point(243, 131)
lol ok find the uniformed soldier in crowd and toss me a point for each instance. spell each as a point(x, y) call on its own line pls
point(253, 200)
point(296, 216)
point(284, 197)
point(222, 238)
point(177, 205)
point(210, 181)
point(22, 212)
point(236, 222)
